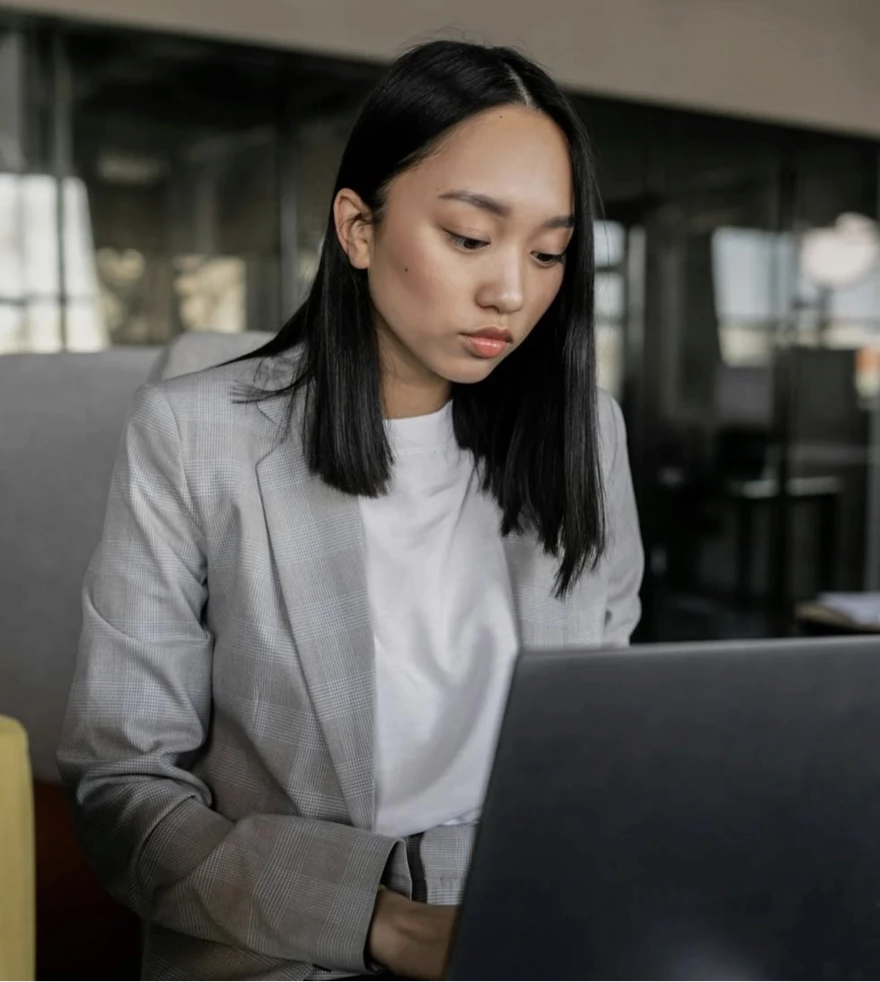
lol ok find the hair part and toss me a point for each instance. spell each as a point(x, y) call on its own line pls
point(532, 425)
point(524, 94)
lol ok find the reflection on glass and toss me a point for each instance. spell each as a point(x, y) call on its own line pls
point(609, 357)
point(211, 292)
point(843, 334)
point(38, 238)
point(79, 249)
point(745, 345)
point(841, 255)
point(42, 326)
point(748, 268)
point(610, 302)
point(122, 280)
point(28, 244)
point(861, 301)
point(11, 232)
point(11, 319)
point(840, 273)
point(609, 296)
point(29, 267)
point(746, 264)
point(85, 326)
point(868, 375)
point(610, 244)
point(105, 292)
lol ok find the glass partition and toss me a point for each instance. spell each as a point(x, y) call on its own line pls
point(151, 185)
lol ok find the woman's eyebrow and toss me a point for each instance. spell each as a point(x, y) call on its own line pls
point(495, 207)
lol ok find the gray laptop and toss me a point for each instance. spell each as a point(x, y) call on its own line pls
point(682, 812)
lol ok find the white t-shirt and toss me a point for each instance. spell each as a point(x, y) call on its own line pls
point(444, 629)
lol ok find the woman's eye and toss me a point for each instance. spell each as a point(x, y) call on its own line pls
point(549, 258)
point(467, 243)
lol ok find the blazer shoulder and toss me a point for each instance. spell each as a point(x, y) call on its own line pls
point(209, 406)
point(208, 386)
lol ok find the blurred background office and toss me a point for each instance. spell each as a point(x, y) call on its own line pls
point(166, 167)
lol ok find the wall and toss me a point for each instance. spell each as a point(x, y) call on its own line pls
point(810, 62)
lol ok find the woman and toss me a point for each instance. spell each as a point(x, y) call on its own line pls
point(318, 562)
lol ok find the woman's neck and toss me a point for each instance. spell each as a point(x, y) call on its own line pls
point(408, 388)
point(404, 401)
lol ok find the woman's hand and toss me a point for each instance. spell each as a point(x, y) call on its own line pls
point(411, 939)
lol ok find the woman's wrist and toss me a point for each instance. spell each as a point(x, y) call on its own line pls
point(408, 938)
point(382, 937)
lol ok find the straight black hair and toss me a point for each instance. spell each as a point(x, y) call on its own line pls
point(532, 425)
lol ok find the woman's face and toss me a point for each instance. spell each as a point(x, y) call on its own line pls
point(467, 255)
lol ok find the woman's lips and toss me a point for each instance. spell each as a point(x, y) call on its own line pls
point(489, 343)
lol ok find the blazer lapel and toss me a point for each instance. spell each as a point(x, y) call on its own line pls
point(317, 542)
point(543, 620)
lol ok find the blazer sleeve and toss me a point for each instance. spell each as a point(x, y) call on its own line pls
point(139, 710)
point(625, 556)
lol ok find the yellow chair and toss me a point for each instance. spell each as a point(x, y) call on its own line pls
point(17, 891)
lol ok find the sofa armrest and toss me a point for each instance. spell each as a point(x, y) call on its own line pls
point(17, 896)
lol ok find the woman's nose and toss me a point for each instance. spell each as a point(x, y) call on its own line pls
point(503, 289)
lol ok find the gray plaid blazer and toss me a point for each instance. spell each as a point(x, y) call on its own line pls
point(219, 735)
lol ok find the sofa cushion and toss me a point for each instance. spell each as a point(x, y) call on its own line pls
point(195, 350)
point(63, 416)
point(62, 420)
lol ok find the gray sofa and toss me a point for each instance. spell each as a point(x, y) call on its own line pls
point(62, 417)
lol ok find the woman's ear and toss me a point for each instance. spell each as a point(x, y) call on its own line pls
point(354, 227)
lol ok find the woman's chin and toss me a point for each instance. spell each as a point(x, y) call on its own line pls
point(470, 370)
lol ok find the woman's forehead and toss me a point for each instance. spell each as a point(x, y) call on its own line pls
point(511, 155)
